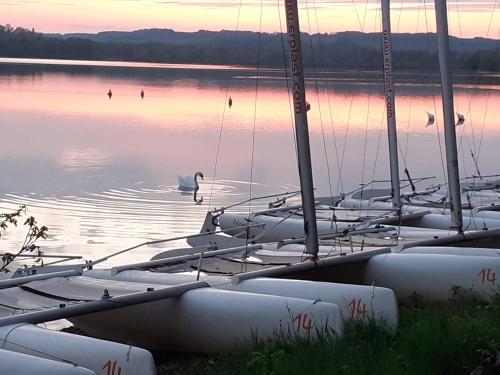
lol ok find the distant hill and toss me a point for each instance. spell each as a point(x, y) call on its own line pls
point(345, 50)
point(419, 41)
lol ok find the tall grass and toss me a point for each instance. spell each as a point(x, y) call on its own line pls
point(448, 339)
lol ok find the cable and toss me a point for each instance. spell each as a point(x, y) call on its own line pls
point(257, 77)
point(219, 142)
point(317, 95)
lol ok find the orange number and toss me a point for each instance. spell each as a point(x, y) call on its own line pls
point(112, 369)
point(303, 322)
point(357, 308)
point(487, 276)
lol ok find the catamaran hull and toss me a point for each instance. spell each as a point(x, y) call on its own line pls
point(434, 277)
point(211, 320)
point(469, 251)
point(22, 364)
point(270, 228)
point(198, 320)
point(435, 220)
point(97, 355)
point(356, 302)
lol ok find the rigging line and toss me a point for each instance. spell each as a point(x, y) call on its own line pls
point(381, 123)
point(30, 349)
point(410, 104)
point(219, 141)
point(316, 85)
point(334, 136)
point(404, 155)
point(341, 183)
point(377, 151)
point(399, 15)
point(257, 77)
point(475, 149)
point(351, 96)
point(287, 78)
point(357, 15)
point(445, 176)
point(407, 136)
point(334, 216)
point(476, 80)
point(365, 143)
point(468, 115)
point(477, 77)
point(463, 136)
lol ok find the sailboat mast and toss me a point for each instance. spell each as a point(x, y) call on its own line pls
point(448, 115)
point(301, 127)
point(390, 104)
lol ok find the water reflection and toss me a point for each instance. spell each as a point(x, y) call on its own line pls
point(76, 158)
point(102, 174)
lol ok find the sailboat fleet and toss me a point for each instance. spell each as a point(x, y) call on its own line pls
point(284, 272)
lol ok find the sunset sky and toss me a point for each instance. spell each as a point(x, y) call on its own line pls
point(468, 18)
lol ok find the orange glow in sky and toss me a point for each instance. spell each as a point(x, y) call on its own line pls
point(467, 18)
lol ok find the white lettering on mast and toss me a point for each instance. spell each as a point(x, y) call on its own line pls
point(293, 45)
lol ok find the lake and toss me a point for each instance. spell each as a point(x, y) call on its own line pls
point(101, 173)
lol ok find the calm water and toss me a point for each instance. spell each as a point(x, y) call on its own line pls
point(102, 173)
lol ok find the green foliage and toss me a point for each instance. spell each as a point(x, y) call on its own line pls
point(442, 339)
point(33, 233)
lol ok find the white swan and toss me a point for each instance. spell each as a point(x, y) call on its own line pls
point(189, 183)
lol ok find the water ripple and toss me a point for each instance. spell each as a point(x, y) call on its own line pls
point(95, 224)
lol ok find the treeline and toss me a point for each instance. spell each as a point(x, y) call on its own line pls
point(225, 47)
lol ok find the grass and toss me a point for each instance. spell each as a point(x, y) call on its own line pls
point(448, 339)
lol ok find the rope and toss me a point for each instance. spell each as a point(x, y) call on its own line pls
point(351, 96)
point(406, 148)
point(316, 86)
point(219, 142)
point(379, 139)
point(287, 78)
point(257, 77)
point(365, 143)
point(381, 124)
point(481, 59)
point(445, 176)
point(332, 128)
point(462, 132)
point(31, 350)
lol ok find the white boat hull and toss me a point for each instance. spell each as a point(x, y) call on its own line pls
point(469, 251)
point(272, 229)
point(356, 302)
point(434, 277)
point(97, 355)
point(435, 220)
point(12, 363)
point(201, 320)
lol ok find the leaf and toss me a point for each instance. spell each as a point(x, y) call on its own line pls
point(30, 221)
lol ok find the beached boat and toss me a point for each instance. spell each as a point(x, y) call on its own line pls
point(99, 356)
point(23, 364)
point(230, 299)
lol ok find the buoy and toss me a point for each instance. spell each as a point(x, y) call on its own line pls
point(142, 94)
point(430, 119)
point(230, 102)
point(110, 93)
